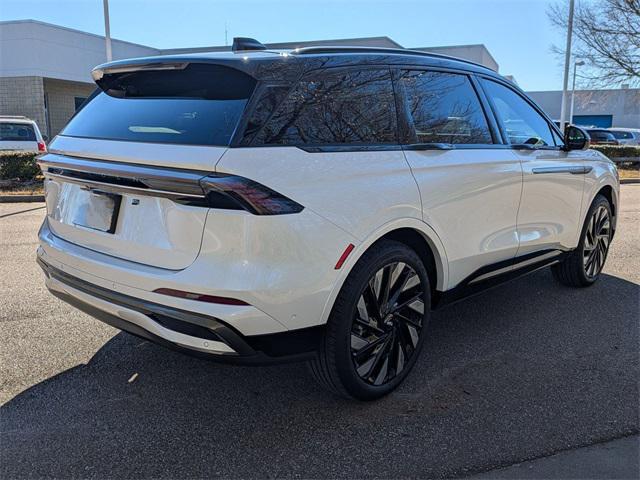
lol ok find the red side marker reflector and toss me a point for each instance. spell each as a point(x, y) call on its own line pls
point(199, 297)
point(344, 255)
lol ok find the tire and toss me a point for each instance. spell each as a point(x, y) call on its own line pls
point(370, 345)
point(583, 266)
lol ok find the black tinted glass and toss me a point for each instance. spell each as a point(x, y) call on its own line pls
point(444, 108)
point(523, 124)
point(269, 97)
point(200, 105)
point(351, 107)
point(17, 132)
point(622, 135)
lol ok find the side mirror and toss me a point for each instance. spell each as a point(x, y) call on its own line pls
point(575, 138)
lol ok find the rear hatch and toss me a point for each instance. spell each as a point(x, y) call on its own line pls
point(17, 136)
point(123, 177)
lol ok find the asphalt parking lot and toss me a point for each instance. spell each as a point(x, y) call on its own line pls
point(524, 371)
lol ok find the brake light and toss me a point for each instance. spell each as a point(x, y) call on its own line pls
point(231, 191)
point(42, 147)
point(199, 297)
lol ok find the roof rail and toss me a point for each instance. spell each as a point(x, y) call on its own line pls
point(246, 43)
point(382, 50)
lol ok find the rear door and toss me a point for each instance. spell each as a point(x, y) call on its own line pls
point(470, 184)
point(123, 177)
point(553, 179)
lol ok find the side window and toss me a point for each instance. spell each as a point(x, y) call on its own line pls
point(349, 107)
point(270, 96)
point(443, 108)
point(523, 124)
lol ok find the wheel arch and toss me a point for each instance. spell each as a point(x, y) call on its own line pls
point(413, 233)
point(608, 188)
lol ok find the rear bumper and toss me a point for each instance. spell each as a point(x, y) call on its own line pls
point(189, 332)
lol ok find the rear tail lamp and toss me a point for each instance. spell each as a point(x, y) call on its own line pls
point(42, 147)
point(231, 191)
point(199, 297)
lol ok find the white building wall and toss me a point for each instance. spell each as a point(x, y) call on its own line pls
point(473, 53)
point(24, 96)
point(32, 48)
point(623, 104)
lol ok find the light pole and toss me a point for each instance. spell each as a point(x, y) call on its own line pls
point(576, 64)
point(567, 61)
point(107, 30)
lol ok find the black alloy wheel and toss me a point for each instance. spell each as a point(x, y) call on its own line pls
point(377, 325)
point(596, 242)
point(583, 266)
point(387, 323)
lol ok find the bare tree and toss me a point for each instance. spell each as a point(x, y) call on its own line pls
point(607, 36)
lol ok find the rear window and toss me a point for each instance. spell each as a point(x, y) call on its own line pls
point(17, 132)
point(600, 135)
point(197, 105)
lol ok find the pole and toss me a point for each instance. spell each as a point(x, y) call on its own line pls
point(573, 92)
point(567, 60)
point(107, 30)
point(573, 88)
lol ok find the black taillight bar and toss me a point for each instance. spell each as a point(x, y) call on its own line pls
point(189, 187)
point(247, 194)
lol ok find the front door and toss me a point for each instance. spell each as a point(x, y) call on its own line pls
point(553, 179)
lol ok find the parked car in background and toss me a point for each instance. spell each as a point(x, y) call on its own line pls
point(602, 137)
point(20, 133)
point(257, 206)
point(626, 136)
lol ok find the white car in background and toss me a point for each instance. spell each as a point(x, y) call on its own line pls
point(20, 134)
point(626, 136)
point(257, 206)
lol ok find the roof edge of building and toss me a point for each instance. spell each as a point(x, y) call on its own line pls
point(75, 30)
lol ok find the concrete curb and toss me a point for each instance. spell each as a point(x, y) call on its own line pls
point(629, 180)
point(21, 198)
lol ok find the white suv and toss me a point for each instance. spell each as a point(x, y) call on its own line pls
point(315, 204)
point(20, 134)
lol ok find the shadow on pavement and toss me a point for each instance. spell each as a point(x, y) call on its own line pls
point(517, 373)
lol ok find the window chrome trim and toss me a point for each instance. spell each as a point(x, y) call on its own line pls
point(573, 169)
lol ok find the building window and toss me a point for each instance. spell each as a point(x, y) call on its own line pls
point(79, 101)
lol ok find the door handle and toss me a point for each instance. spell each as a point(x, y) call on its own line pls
point(572, 169)
point(428, 146)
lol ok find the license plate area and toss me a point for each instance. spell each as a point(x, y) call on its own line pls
point(97, 210)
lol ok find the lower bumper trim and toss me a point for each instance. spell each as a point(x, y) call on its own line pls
point(152, 319)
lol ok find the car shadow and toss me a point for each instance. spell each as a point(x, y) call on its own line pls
point(521, 370)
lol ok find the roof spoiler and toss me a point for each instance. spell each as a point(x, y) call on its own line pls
point(241, 44)
point(106, 69)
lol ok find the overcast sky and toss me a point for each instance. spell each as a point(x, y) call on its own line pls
point(516, 32)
